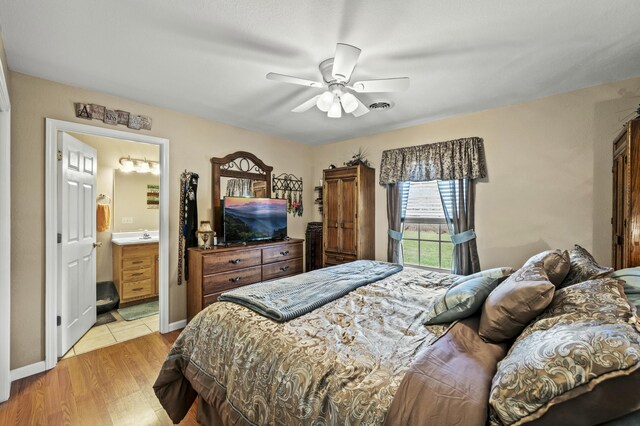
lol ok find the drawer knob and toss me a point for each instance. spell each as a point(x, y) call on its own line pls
point(339, 258)
point(235, 280)
point(235, 261)
point(284, 253)
point(138, 273)
point(284, 268)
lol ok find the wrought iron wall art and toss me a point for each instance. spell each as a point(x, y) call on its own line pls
point(289, 187)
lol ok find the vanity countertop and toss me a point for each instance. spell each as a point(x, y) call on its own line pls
point(128, 238)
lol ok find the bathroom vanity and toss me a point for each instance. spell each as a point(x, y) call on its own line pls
point(135, 268)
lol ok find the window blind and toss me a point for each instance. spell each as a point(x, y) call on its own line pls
point(421, 202)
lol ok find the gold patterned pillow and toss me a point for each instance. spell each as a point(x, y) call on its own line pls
point(584, 267)
point(587, 339)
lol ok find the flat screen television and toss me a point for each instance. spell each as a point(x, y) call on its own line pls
point(253, 219)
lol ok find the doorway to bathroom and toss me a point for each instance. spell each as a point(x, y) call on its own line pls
point(116, 289)
point(127, 223)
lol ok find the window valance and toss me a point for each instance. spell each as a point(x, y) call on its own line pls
point(455, 159)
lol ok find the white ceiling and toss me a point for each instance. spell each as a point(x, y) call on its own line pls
point(209, 58)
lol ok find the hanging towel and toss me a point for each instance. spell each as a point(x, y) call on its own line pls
point(103, 217)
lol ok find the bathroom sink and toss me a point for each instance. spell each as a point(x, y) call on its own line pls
point(126, 238)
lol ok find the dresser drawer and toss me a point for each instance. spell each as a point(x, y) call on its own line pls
point(137, 289)
point(283, 252)
point(280, 269)
point(136, 263)
point(338, 259)
point(140, 250)
point(230, 280)
point(136, 275)
point(229, 261)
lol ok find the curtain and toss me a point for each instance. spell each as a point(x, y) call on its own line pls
point(455, 164)
point(456, 159)
point(239, 188)
point(458, 199)
point(395, 214)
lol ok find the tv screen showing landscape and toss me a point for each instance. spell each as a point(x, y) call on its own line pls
point(251, 219)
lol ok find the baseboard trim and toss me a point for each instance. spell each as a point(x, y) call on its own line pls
point(27, 370)
point(177, 325)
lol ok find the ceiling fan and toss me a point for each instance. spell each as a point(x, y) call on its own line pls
point(336, 73)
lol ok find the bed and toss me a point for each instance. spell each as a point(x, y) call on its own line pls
point(365, 358)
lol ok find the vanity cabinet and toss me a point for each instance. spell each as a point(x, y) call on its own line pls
point(135, 271)
point(216, 270)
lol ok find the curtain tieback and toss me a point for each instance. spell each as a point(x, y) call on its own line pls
point(463, 237)
point(396, 235)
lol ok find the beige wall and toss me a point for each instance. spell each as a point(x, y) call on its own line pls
point(193, 142)
point(549, 164)
point(109, 153)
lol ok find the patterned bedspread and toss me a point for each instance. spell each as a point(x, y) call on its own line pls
point(340, 364)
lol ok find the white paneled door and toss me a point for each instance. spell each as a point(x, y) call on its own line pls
point(76, 240)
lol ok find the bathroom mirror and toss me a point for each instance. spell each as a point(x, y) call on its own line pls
point(135, 201)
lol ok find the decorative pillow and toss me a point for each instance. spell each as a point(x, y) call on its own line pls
point(599, 301)
point(631, 278)
point(576, 364)
point(555, 263)
point(515, 302)
point(584, 267)
point(502, 272)
point(460, 301)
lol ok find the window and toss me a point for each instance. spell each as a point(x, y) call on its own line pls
point(426, 240)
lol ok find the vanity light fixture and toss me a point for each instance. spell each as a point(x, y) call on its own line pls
point(139, 165)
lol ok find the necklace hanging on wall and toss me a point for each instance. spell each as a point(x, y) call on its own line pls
point(289, 187)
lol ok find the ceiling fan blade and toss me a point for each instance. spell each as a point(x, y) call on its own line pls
point(344, 61)
point(293, 80)
point(306, 105)
point(382, 85)
point(361, 110)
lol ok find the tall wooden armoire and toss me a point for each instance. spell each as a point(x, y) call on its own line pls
point(626, 197)
point(348, 214)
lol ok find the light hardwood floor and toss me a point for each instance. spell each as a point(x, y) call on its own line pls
point(109, 386)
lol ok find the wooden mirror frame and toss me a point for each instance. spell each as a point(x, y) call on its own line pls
point(240, 164)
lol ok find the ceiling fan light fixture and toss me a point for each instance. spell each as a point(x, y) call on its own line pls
point(325, 101)
point(335, 111)
point(349, 102)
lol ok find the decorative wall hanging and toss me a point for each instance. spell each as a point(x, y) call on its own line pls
point(112, 116)
point(153, 196)
point(187, 231)
point(289, 187)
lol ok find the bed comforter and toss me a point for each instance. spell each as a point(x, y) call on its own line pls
point(340, 364)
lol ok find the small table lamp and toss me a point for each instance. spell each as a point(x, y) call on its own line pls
point(205, 232)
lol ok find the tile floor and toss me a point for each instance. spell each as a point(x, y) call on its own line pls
point(114, 332)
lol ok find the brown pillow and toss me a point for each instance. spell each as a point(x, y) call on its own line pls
point(584, 267)
point(514, 303)
point(555, 263)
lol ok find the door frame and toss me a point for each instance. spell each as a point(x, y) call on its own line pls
point(5, 238)
point(53, 127)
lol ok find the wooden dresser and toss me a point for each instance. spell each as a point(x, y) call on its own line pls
point(219, 269)
point(348, 214)
point(135, 271)
point(625, 219)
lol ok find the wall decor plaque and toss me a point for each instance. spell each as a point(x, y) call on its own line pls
point(112, 116)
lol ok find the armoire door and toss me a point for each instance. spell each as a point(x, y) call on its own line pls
point(331, 210)
point(348, 213)
point(619, 210)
